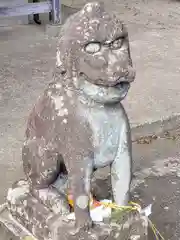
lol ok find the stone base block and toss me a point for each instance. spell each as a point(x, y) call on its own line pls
point(43, 223)
point(133, 228)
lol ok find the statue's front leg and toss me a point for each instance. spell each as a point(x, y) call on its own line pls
point(80, 180)
point(121, 168)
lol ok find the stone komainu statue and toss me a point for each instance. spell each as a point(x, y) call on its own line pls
point(78, 125)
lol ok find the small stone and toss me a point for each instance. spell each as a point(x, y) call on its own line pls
point(64, 121)
point(178, 173)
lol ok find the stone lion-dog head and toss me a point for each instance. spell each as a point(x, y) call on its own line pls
point(94, 56)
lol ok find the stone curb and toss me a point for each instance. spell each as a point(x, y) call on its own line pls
point(157, 128)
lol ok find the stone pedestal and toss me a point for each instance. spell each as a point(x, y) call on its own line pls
point(132, 228)
point(45, 224)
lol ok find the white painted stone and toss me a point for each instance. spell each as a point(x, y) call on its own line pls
point(82, 201)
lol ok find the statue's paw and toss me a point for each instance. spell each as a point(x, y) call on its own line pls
point(84, 224)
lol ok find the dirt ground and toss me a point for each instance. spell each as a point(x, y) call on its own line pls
point(27, 57)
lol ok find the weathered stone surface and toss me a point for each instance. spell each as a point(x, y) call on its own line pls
point(77, 126)
point(131, 228)
point(33, 213)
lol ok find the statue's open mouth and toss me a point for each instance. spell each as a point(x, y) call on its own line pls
point(122, 88)
point(124, 85)
point(112, 92)
point(121, 83)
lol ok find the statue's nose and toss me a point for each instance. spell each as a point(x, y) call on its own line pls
point(121, 75)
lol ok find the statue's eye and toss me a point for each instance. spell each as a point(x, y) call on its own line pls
point(117, 43)
point(92, 48)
